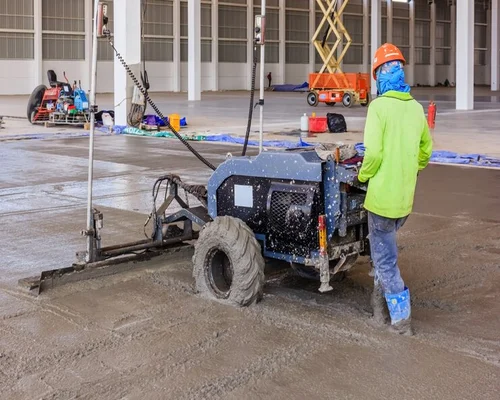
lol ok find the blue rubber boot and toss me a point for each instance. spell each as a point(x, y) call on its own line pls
point(400, 312)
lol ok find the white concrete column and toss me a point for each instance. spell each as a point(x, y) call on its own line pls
point(432, 66)
point(495, 49)
point(127, 36)
point(366, 35)
point(176, 71)
point(488, 44)
point(194, 50)
point(215, 45)
point(411, 62)
point(465, 55)
point(282, 38)
point(312, 31)
point(38, 45)
point(390, 21)
point(250, 45)
point(376, 36)
point(453, 42)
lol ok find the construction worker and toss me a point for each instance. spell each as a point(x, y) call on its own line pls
point(398, 146)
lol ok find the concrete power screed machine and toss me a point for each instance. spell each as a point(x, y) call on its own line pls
point(289, 205)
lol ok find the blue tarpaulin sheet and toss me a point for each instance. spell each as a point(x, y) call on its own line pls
point(291, 88)
point(450, 157)
point(268, 143)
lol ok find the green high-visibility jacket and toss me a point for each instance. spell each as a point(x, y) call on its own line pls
point(398, 145)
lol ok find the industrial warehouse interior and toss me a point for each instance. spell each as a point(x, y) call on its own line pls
point(250, 199)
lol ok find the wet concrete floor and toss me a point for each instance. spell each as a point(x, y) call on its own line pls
point(147, 335)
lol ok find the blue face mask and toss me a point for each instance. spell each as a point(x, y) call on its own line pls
point(391, 76)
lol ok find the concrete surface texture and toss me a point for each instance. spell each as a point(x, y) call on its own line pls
point(146, 335)
point(226, 112)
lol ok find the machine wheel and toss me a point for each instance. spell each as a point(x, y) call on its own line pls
point(312, 99)
point(331, 104)
point(365, 104)
point(313, 274)
point(34, 101)
point(347, 100)
point(228, 262)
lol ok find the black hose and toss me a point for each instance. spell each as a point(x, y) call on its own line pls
point(157, 110)
point(252, 106)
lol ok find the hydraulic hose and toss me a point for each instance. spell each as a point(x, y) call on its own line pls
point(157, 110)
point(252, 106)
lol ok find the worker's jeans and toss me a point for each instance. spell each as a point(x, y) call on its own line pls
point(384, 252)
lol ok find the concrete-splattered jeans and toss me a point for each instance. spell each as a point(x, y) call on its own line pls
point(384, 252)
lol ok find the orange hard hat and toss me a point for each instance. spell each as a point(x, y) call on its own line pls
point(386, 53)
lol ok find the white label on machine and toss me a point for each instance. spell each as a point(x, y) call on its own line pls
point(243, 196)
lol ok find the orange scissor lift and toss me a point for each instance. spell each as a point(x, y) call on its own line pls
point(335, 86)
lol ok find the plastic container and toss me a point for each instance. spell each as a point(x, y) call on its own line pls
point(304, 123)
point(318, 124)
point(175, 121)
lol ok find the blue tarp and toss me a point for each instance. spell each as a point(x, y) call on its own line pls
point(449, 157)
point(268, 143)
point(291, 88)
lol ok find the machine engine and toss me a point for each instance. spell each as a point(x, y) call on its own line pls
point(282, 205)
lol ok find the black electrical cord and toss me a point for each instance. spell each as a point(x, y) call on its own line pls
point(252, 106)
point(156, 109)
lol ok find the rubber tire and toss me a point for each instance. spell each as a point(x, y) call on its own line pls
point(330, 104)
point(312, 99)
point(365, 104)
point(237, 241)
point(347, 100)
point(35, 100)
